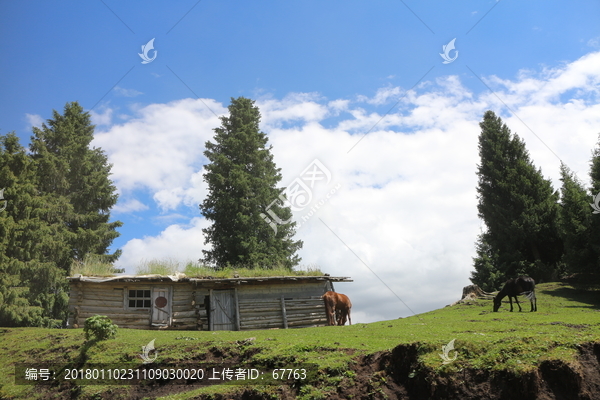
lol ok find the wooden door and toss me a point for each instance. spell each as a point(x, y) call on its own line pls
point(223, 310)
point(161, 307)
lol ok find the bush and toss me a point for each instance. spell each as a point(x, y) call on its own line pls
point(100, 327)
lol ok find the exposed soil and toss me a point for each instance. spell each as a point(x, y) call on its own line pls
point(399, 375)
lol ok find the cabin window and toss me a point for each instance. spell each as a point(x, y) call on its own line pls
point(140, 299)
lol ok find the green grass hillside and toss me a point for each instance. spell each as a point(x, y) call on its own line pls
point(568, 316)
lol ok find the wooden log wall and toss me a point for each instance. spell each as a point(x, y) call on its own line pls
point(88, 299)
point(273, 305)
point(287, 290)
point(189, 312)
point(277, 313)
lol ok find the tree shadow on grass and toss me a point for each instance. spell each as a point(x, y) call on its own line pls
point(583, 293)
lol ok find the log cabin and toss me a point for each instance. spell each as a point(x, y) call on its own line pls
point(209, 304)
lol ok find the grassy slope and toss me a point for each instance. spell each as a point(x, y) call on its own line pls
point(567, 316)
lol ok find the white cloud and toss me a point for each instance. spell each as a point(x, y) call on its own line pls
point(161, 147)
point(295, 107)
point(34, 120)
point(126, 92)
point(104, 118)
point(128, 206)
point(594, 42)
point(185, 242)
point(383, 96)
point(406, 203)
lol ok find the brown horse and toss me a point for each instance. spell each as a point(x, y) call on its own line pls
point(338, 308)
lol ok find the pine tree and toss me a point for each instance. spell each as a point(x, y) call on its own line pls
point(242, 179)
point(32, 292)
point(594, 240)
point(74, 178)
point(576, 218)
point(518, 206)
point(486, 275)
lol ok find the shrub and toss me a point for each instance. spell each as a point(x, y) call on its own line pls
point(100, 327)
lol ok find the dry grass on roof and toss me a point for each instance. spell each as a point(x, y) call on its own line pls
point(198, 270)
point(95, 266)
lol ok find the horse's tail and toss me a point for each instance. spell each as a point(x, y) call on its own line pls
point(530, 295)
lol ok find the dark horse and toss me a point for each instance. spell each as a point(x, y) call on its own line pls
point(514, 287)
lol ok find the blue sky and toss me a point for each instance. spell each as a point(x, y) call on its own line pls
point(324, 74)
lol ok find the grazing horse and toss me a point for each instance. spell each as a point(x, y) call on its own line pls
point(338, 308)
point(514, 287)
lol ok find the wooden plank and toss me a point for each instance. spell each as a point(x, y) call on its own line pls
point(121, 321)
point(183, 308)
point(113, 310)
point(102, 296)
point(184, 314)
point(84, 315)
point(117, 300)
point(305, 310)
point(237, 309)
point(211, 320)
point(312, 321)
point(260, 326)
point(184, 320)
point(104, 308)
point(256, 320)
point(170, 304)
point(259, 313)
point(307, 318)
point(304, 307)
point(285, 322)
point(261, 310)
point(179, 298)
point(185, 302)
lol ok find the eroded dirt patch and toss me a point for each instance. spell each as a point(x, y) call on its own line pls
point(397, 374)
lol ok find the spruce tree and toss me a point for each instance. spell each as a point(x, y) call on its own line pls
point(594, 241)
point(576, 218)
point(33, 290)
point(518, 206)
point(242, 179)
point(74, 178)
point(485, 275)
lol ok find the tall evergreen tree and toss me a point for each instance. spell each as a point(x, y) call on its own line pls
point(518, 206)
point(576, 218)
point(242, 179)
point(595, 218)
point(485, 275)
point(75, 180)
point(32, 289)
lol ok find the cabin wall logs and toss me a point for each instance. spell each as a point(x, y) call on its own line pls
point(88, 299)
point(261, 306)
